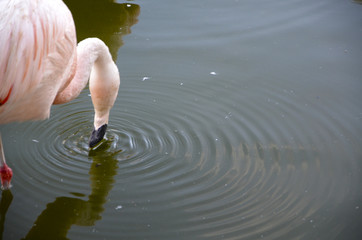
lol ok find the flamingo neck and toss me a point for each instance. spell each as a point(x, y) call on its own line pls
point(94, 62)
point(90, 52)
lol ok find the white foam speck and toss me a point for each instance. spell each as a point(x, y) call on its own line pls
point(118, 207)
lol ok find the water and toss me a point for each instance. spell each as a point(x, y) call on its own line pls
point(234, 120)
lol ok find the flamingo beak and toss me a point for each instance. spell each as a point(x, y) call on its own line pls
point(97, 135)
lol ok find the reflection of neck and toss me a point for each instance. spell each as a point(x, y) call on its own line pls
point(56, 219)
point(60, 215)
point(102, 174)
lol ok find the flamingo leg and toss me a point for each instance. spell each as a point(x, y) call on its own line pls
point(5, 172)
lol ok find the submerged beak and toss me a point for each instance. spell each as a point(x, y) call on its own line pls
point(97, 135)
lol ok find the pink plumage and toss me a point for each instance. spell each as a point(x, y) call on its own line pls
point(41, 64)
point(39, 50)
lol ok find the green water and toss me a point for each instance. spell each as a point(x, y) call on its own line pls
point(235, 119)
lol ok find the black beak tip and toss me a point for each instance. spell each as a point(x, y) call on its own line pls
point(97, 136)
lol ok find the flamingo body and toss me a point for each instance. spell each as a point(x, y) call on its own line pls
point(41, 64)
point(39, 56)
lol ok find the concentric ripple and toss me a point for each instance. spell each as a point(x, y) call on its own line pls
point(202, 169)
point(199, 147)
point(234, 168)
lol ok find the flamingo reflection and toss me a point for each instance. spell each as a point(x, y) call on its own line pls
point(58, 216)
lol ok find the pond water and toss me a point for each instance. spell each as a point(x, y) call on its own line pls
point(235, 119)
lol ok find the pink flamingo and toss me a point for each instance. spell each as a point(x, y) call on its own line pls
point(41, 65)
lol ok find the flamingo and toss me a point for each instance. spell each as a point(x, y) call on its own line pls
point(41, 64)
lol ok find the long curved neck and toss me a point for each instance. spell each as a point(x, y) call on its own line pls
point(90, 52)
point(94, 62)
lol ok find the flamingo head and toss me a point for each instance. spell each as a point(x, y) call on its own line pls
point(6, 175)
point(97, 135)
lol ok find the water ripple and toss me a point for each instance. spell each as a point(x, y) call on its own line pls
point(212, 158)
point(218, 170)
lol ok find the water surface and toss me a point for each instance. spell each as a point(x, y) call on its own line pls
point(234, 120)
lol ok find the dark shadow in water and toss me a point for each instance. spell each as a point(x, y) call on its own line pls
point(60, 215)
point(6, 199)
point(104, 19)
